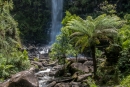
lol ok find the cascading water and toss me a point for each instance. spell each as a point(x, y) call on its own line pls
point(57, 8)
point(57, 11)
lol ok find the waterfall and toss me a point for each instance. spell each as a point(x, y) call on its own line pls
point(57, 8)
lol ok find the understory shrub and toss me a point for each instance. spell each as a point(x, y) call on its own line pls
point(15, 62)
point(125, 82)
point(11, 59)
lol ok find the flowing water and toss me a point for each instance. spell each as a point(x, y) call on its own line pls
point(57, 12)
point(45, 77)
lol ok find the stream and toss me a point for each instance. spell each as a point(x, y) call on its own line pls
point(48, 72)
point(43, 74)
point(45, 77)
point(57, 12)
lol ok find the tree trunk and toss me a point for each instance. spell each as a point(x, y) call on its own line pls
point(64, 57)
point(76, 58)
point(94, 60)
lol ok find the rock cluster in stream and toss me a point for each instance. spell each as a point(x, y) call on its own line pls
point(75, 76)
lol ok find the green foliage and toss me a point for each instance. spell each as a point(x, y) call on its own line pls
point(9, 34)
point(4, 68)
point(90, 31)
point(91, 82)
point(12, 60)
point(108, 70)
point(97, 7)
point(98, 53)
point(124, 36)
point(124, 42)
point(62, 48)
point(36, 59)
point(33, 17)
point(108, 75)
point(81, 7)
point(124, 62)
point(13, 63)
point(122, 8)
point(108, 8)
point(67, 18)
point(127, 18)
point(8, 27)
point(125, 82)
point(21, 60)
point(80, 34)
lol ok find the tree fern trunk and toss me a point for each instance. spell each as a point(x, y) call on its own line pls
point(94, 60)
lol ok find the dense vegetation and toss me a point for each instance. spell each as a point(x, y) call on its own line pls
point(33, 17)
point(100, 26)
point(11, 59)
point(105, 35)
point(97, 7)
point(89, 33)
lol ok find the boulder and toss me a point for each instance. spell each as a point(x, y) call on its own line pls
point(88, 63)
point(53, 73)
point(58, 67)
point(42, 56)
point(79, 67)
point(45, 63)
point(57, 71)
point(42, 60)
point(39, 64)
point(62, 85)
point(91, 68)
point(32, 51)
point(52, 84)
point(53, 64)
point(64, 79)
point(60, 80)
point(78, 84)
point(83, 77)
point(22, 79)
point(75, 76)
point(75, 84)
point(80, 60)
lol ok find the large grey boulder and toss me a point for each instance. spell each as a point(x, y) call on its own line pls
point(22, 79)
point(83, 77)
point(57, 71)
point(52, 84)
point(39, 64)
point(79, 66)
point(75, 84)
point(88, 63)
point(79, 60)
point(62, 85)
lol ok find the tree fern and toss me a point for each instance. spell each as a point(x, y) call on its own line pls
point(87, 32)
